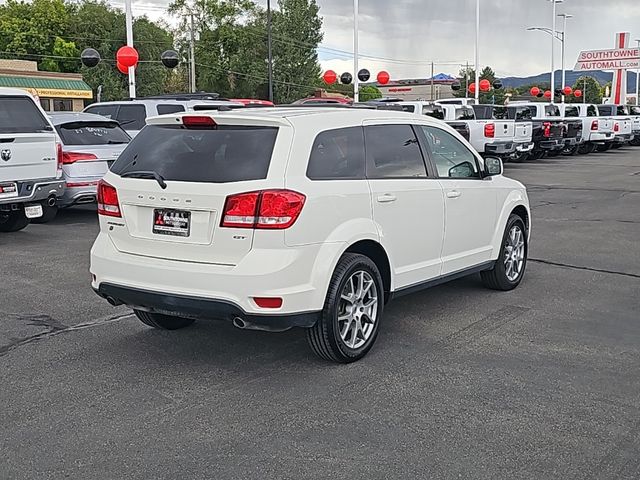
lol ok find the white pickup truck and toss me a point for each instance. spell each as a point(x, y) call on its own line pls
point(30, 161)
point(516, 131)
point(622, 124)
point(596, 130)
point(634, 111)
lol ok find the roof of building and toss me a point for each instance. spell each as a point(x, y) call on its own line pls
point(28, 81)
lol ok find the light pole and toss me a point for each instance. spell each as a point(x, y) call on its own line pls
point(638, 80)
point(564, 38)
point(356, 80)
point(555, 35)
point(554, 3)
point(477, 79)
point(269, 53)
point(129, 27)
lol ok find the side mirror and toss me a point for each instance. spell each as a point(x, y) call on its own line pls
point(462, 170)
point(492, 167)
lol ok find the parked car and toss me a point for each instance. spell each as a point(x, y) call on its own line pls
point(520, 133)
point(622, 125)
point(634, 111)
point(548, 126)
point(30, 161)
point(132, 114)
point(596, 130)
point(252, 102)
point(456, 101)
point(293, 217)
point(90, 144)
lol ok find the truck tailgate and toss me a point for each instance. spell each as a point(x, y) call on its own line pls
point(523, 131)
point(28, 156)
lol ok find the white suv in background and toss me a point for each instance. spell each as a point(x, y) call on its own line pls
point(301, 217)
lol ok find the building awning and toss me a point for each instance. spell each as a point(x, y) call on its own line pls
point(48, 87)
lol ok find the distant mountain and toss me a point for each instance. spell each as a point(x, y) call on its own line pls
point(599, 75)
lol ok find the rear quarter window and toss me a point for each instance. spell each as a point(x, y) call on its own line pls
point(20, 115)
point(228, 153)
point(337, 154)
point(132, 117)
point(165, 109)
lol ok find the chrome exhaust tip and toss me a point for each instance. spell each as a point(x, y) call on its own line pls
point(239, 323)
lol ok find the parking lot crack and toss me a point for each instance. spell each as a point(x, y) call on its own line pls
point(578, 267)
point(56, 328)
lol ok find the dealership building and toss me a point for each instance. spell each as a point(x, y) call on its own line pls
point(57, 92)
point(419, 88)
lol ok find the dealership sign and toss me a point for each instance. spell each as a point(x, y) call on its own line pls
point(608, 59)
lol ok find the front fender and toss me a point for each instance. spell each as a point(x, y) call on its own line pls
point(514, 199)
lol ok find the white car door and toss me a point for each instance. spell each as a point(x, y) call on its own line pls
point(470, 202)
point(408, 205)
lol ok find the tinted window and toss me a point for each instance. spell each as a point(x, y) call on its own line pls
point(132, 117)
point(524, 113)
point(92, 133)
point(20, 115)
point(337, 154)
point(500, 113)
point(634, 110)
point(408, 108)
point(592, 111)
point(228, 153)
point(571, 112)
point(551, 111)
point(108, 111)
point(621, 110)
point(393, 152)
point(167, 108)
point(452, 158)
point(605, 110)
point(483, 112)
point(433, 111)
point(465, 113)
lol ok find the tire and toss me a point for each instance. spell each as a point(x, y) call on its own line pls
point(13, 221)
point(604, 148)
point(635, 142)
point(616, 146)
point(499, 278)
point(570, 151)
point(163, 322)
point(48, 214)
point(594, 148)
point(536, 154)
point(553, 153)
point(584, 149)
point(335, 340)
point(519, 157)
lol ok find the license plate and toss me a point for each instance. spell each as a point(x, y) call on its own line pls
point(8, 190)
point(33, 211)
point(171, 222)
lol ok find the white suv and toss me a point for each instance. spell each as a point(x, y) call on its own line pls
point(301, 217)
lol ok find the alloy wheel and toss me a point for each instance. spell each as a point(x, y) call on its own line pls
point(514, 252)
point(358, 309)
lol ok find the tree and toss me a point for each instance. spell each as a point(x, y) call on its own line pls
point(493, 96)
point(369, 92)
point(591, 94)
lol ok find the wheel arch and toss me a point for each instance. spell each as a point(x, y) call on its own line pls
point(376, 252)
point(516, 203)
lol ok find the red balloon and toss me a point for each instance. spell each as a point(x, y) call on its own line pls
point(330, 77)
point(547, 93)
point(567, 90)
point(535, 91)
point(472, 88)
point(127, 56)
point(124, 70)
point(383, 77)
point(577, 93)
point(485, 85)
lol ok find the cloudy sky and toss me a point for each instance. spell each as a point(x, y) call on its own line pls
point(404, 36)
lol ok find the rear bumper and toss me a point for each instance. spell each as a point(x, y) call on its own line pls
point(571, 142)
point(202, 308)
point(550, 144)
point(80, 191)
point(601, 137)
point(31, 191)
point(627, 137)
point(524, 147)
point(500, 148)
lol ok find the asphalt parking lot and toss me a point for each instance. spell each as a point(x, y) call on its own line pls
point(464, 382)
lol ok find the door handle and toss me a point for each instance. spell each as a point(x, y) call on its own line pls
point(453, 194)
point(387, 198)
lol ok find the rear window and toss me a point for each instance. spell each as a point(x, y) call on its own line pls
point(605, 110)
point(92, 133)
point(408, 108)
point(521, 113)
point(433, 111)
point(465, 113)
point(621, 110)
point(168, 108)
point(108, 111)
point(20, 115)
point(551, 111)
point(592, 111)
point(500, 113)
point(228, 153)
point(483, 112)
point(337, 154)
point(634, 110)
point(571, 112)
point(132, 117)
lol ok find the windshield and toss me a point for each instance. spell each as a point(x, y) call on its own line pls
point(92, 133)
point(219, 155)
point(20, 115)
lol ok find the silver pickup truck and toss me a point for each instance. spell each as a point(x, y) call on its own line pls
point(30, 161)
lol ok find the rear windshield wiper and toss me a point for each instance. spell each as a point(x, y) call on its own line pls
point(146, 174)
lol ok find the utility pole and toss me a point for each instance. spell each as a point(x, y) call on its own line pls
point(553, 52)
point(129, 27)
point(477, 80)
point(192, 54)
point(356, 80)
point(563, 38)
point(432, 74)
point(638, 80)
point(269, 52)
point(466, 77)
point(584, 91)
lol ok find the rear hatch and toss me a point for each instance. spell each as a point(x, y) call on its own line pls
point(202, 167)
point(90, 147)
point(27, 141)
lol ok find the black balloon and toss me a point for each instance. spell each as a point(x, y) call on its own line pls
point(497, 84)
point(364, 75)
point(540, 95)
point(455, 87)
point(559, 91)
point(90, 57)
point(346, 78)
point(170, 58)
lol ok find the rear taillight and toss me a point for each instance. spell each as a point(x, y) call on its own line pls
point(546, 129)
point(266, 209)
point(198, 122)
point(594, 125)
point(73, 157)
point(108, 203)
point(59, 158)
point(616, 127)
point(490, 130)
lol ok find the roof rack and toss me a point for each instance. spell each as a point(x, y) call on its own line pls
point(186, 96)
point(326, 105)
